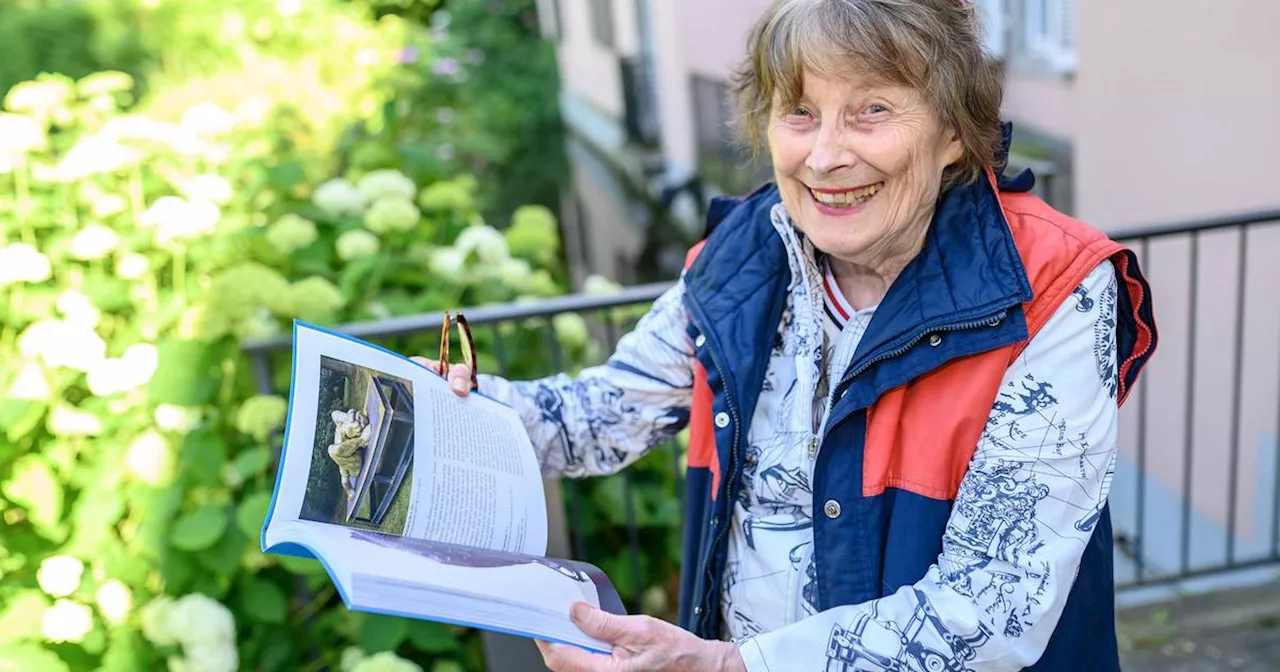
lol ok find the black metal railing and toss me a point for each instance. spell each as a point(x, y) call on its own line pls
point(1207, 411)
point(1178, 499)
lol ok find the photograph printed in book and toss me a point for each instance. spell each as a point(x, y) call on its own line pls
point(362, 460)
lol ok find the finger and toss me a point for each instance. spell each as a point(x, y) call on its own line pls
point(460, 379)
point(429, 363)
point(606, 626)
point(565, 658)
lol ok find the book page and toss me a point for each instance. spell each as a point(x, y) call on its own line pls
point(377, 442)
point(511, 592)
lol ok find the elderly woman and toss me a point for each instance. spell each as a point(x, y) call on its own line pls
point(901, 374)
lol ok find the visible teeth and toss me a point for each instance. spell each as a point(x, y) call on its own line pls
point(846, 198)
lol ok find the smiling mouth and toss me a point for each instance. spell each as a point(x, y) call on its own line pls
point(847, 199)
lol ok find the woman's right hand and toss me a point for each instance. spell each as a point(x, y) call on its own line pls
point(459, 375)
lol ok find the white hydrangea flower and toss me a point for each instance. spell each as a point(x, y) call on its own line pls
point(78, 309)
point(291, 232)
point(514, 272)
point(356, 244)
point(97, 154)
point(202, 619)
point(30, 384)
point(179, 419)
point(114, 601)
point(59, 575)
point(571, 329)
point(221, 657)
point(208, 187)
point(351, 656)
point(21, 262)
point(487, 242)
point(379, 184)
point(392, 213)
point(149, 459)
point(130, 371)
point(447, 262)
point(132, 266)
point(598, 284)
point(66, 621)
point(288, 8)
point(176, 218)
point(106, 205)
point(93, 242)
point(69, 421)
point(63, 343)
point(155, 621)
point(385, 661)
point(207, 118)
point(339, 197)
point(20, 134)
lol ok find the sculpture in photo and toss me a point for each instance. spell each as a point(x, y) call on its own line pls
point(350, 439)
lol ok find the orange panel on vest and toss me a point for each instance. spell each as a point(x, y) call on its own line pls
point(920, 437)
point(702, 438)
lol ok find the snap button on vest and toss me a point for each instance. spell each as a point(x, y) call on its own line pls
point(831, 508)
point(700, 341)
point(722, 420)
point(935, 340)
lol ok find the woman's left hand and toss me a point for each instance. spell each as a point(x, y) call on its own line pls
point(640, 644)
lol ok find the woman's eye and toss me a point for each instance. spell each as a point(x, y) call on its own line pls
point(876, 109)
point(799, 112)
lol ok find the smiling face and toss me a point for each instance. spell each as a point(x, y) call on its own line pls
point(859, 164)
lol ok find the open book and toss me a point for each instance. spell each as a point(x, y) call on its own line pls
point(417, 502)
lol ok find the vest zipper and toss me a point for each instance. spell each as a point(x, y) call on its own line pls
point(727, 478)
point(898, 351)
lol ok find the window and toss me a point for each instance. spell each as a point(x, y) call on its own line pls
point(1050, 30)
point(602, 22)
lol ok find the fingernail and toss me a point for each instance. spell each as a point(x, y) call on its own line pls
point(458, 386)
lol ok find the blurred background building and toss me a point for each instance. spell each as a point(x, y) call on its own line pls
point(1131, 112)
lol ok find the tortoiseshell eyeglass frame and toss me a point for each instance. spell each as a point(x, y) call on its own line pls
point(468, 346)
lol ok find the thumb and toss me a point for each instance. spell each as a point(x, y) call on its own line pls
point(599, 623)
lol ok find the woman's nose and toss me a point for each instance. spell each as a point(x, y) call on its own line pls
point(830, 152)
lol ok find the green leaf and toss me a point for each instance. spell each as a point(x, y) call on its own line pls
point(383, 633)
point(277, 655)
point(95, 513)
point(30, 658)
point(264, 601)
point(252, 513)
point(199, 529)
point(18, 417)
point(22, 616)
point(154, 509)
point(34, 487)
point(252, 462)
point(187, 374)
point(296, 565)
point(202, 455)
point(124, 653)
point(432, 637)
point(224, 557)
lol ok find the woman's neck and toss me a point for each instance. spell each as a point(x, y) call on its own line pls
point(865, 284)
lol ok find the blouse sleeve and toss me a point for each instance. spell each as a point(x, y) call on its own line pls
point(608, 416)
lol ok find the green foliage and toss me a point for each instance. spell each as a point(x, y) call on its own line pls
point(177, 177)
point(150, 222)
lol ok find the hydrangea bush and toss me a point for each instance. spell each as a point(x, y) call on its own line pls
point(147, 228)
point(136, 255)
